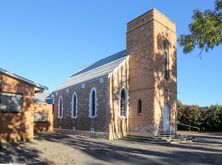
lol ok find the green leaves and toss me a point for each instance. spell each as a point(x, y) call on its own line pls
point(206, 118)
point(205, 30)
point(187, 42)
point(218, 5)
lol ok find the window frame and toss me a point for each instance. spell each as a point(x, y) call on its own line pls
point(41, 117)
point(95, 103)
point(139, 107)
point(74, 95)
point(12, 95)
point(166, 60)
point(126, 103)
point(60, 111)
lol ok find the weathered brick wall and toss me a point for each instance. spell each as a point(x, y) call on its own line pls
point(142, 76)
point(145, 36)
point(16, 126)
point(165, 90)
point(83, 122)
point(118, 79)
point(43, 126)
point(140, 43)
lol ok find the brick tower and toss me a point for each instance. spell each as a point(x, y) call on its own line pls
point(151, 46)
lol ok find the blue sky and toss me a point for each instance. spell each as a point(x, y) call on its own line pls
point(48, 40)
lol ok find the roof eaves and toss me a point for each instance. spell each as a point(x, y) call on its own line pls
point(89, 80)
point(95, 70)
point(22, 79)
point(101, 62)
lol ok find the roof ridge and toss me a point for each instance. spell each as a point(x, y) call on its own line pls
point(6, 72)
point(97, 68)
point(103, 59)
point(100, 68)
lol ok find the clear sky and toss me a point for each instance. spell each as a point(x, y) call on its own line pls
point(48, 40)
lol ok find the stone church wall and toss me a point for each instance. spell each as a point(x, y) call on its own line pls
point(141, 74)
point(83, 122)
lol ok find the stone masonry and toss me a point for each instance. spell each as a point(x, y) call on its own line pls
point(83, 122)
point(141, 74)
point(145, 36)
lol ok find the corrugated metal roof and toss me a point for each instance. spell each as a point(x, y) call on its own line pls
point(98, 69)
point(22, 79)
point(102, 62)
point(42, 97)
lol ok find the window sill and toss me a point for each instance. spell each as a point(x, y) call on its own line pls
point(92, 117)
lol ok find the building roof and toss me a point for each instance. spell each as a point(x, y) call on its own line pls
point(98, 69)
point(43, 98)
point(39, 86)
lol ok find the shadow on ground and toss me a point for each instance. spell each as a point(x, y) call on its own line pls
point(20, 153)
point(108, 152)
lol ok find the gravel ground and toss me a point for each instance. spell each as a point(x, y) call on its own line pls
point(60, 149)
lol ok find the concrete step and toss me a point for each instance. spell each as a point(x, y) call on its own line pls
point(178, 138)
point(143, 139)
point(162, 138)
point(175, 136)
point(167, 134)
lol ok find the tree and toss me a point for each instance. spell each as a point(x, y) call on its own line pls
point(205, 30)
point(206, 118)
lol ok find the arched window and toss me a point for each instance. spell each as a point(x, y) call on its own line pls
point(166, 59)
point(60, 107)
point(93, 103)
point(74, 106)
point(139, 106)
point(123, 101)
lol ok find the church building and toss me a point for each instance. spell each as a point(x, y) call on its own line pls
point(133, 91)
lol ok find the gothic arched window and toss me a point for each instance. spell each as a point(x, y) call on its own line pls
point(166, 59)
point(74, 105)
point(139, 106)
point(60, 107)
point(93, 103)
point(123, 102)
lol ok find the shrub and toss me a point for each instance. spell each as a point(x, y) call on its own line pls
point(206, 118)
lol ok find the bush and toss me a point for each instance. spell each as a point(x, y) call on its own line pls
point(206, 118)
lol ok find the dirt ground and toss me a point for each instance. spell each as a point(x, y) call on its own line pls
point(60, 149)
